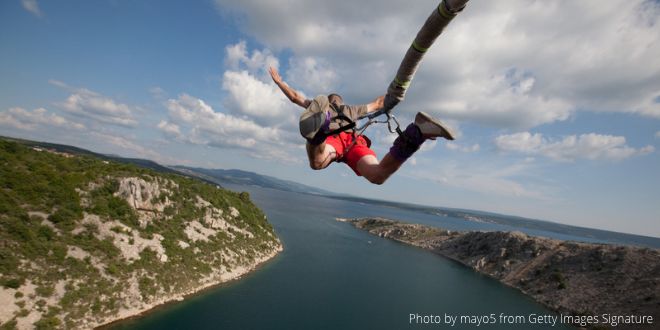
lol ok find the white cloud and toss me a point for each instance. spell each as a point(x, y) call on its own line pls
point(485, 178)
point(428, 145)
point(657, 134)
point(457, 147)
point(312, 74)
point(252, 97)
point(317, 26)
point(169, 129)
point(257, 117)
point(382, 135)
point(586, 146)
point(238, 58)
point(195, 111)
point(22, 119)
point(518, 65)
point(157, 92)
point(523, 142)
point(125, 144)
point(92, 105)
point(194, 121)
point(503, 100)
point(32, 6)
point(251, 92)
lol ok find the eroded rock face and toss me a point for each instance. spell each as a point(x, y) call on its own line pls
point(140, 194)
point(129, 241)
point(568, 277)
point(117, 244)
point(149, 197)
point(145, 196)
point(215, 218)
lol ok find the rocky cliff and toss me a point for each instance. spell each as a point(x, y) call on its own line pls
point(84, 241)
point(568, 277)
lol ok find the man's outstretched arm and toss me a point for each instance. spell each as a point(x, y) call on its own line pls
point(290, 93)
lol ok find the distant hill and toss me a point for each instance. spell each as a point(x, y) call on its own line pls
point(80, 151)
point(516, 222)
point(215, 176)
point(240, 177)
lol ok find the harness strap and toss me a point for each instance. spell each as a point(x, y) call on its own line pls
point(341, 129)
point(341, 117)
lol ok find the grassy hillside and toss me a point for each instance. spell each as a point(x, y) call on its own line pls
point(84, 241)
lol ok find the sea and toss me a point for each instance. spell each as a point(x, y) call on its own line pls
point(334, 276)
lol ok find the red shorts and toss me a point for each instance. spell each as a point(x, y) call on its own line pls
point(350, 154)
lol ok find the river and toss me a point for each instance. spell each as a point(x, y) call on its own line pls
point(333, 276)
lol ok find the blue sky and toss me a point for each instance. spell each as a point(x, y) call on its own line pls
point(557, 104)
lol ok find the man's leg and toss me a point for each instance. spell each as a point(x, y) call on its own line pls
point(378, 172)
point(404, 146)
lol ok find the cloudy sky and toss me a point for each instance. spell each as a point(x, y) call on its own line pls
point(556, 103)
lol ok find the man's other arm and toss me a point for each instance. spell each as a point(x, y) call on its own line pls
point(290, 93)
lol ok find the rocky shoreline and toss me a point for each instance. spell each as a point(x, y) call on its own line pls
point(236, 274)
point(571, 278)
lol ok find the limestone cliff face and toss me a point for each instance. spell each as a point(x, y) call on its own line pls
point(85, 242)
point(568, 277)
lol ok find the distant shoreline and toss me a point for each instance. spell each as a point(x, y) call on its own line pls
point(571, 278)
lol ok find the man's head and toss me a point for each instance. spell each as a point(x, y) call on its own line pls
point(335, 99)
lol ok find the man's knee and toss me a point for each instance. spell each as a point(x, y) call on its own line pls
point(320, 157)
point(377, 178)
point(316, 165)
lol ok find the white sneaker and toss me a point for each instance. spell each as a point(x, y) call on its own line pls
point(432, 128)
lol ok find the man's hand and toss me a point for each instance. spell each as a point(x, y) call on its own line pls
point(290, 93)
point(275, 75)
point(376, 104)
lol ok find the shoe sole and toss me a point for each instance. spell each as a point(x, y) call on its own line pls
point(449, 135)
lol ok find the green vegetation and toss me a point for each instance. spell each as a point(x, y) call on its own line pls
point(8, 325)
point(46, 203)
point(556, 276)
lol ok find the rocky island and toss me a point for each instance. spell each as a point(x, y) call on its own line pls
point(579, 280)
point(86, 241)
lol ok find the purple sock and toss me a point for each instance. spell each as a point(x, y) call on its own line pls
point(407, 143)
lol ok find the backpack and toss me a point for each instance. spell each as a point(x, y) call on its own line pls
point(339, 121)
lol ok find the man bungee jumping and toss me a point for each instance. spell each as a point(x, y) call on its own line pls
point(328, 124)
point(325, 146)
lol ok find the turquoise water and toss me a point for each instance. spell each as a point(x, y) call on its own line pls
point(333, 276)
